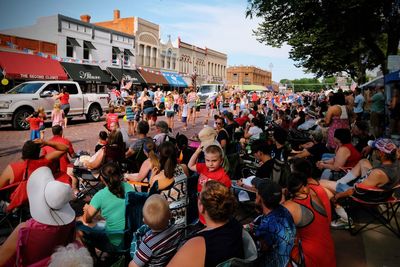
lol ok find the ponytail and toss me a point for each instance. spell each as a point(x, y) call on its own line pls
point(112, 176)
point(153, 159)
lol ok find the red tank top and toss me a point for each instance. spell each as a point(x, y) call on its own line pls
point(323, 196)
point(316, 238)
point(64, 99)
point(111, 117)
point(355, 156)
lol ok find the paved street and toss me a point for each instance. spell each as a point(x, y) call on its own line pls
point(373, 248)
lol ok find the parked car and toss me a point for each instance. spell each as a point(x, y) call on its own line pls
point(18, 103)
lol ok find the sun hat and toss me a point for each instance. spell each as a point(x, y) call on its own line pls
point(383, 144)
point(49, 199)
point(208, 137)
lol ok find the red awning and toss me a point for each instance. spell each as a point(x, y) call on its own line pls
point(30, 67)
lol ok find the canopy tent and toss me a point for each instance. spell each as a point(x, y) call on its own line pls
point(252, 87)
point(378, 81)
point(392, 77)
point(174, 79)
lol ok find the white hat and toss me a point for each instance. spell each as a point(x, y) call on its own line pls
point(49, 199)
point(207, 136)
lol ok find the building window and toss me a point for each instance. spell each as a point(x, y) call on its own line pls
point(70, 48)
point(86, 51)
point(115, 53)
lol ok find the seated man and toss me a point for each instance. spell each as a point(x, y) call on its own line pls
point(312, 150)
point(274, 229)
point(384, 176)
point(142, 129)
point(162, 130)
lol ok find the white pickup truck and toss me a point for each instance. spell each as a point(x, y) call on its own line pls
point(22, 100)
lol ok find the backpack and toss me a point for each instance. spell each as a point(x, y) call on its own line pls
point(171, 139)
point(281, 172)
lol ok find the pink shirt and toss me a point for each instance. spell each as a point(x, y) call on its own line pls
point(57, 117)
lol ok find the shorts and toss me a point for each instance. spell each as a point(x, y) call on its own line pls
point(148, 111)
point(95, 237)
point(184, 119)
point(42, 127)
point(342, 187)
point(176, 107)
point(169, 114)
point(65, 108)
point(191, 105)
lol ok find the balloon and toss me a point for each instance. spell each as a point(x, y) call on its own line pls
point(4, 81)
point(124, 118)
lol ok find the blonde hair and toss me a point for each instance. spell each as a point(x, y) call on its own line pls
point(149, 148)
point(40, 109)
point(156, 212)
point(71, 256)
point(57, 106)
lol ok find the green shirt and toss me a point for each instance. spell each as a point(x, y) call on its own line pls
point(378, 103)
point(112, 210)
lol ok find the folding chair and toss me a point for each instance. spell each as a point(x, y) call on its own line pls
point(381, 206)
point(88, 184)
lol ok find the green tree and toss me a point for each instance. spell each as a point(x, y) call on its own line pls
point(329, 36)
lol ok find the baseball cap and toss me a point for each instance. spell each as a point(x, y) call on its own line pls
point(269, 191)
point(383, 144)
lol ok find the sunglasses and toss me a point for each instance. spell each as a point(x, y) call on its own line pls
point(219, 123)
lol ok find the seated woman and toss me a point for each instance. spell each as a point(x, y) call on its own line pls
point(113, 151)
point(110, 201)
point(346, 155)
point(252, 132)
point(221, 239)
point(151, 162)
point(312, 222)
point(52, 223)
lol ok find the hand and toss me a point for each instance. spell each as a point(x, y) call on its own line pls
point(239, 182)
point(41, 142)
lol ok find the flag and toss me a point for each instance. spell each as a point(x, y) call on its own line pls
point(9, 44)
point(128, 85)
point(28, 51)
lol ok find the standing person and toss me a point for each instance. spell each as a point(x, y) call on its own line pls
point(169, 110)
point(185, 110)
point(147, 107)
point(42, 127)
point(130, 117)
point(111, 117)
point(34, 122)
point(394, 108)
point(63, 96)
point(377, 110)
point(358, 104)
point(57, 115)
point(157, 97)
point(191, 99)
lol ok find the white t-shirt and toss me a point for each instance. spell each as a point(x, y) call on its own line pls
point(185, 110)
point(255, 132)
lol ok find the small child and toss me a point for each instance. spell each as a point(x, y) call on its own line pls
point(156, 242)
point(42, 115)
point(102, 140)
point(210, 170)
point(184, 114)
point(57, 115)
point(34, 122)
point(130, 117)
point(136, 112)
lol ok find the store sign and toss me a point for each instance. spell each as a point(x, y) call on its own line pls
point(130, 78)
point(88, 76)
point(38, 77)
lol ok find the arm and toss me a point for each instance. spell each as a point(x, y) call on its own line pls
point(97, 161)
point(60, 148)
point(6, 177)
point(193, 160)
point(302, 154)
point(130, 153)
point(89, 212)
point(194, 251)
point(328, 116)
point(9, 247)
point(144, 170)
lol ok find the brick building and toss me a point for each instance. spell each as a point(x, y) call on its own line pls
point(22, 44)
point(248, 75)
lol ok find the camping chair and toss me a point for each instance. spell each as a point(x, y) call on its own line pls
point(250, 254)
point(381, 206)
point(88, 184)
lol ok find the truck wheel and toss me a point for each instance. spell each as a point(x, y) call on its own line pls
point(19, 121)
point(94, 114)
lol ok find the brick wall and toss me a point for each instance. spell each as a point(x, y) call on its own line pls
point(35, 45)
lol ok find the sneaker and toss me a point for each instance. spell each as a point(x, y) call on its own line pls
point(340, 224)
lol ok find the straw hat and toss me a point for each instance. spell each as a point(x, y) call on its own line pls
point(49, 199)
point(208, 137)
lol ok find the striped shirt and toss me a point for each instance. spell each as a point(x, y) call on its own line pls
point(157, 248)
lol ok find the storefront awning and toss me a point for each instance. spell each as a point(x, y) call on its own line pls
point(90, 45)
point(174, 79)
point(128, 75)
point(86, 73)
point(153, 78)
point(128, 52)
point(30, 67)
point(73, 41)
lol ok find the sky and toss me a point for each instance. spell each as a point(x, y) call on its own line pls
point(217, 24)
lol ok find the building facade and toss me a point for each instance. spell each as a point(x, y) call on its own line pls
point(248, 75)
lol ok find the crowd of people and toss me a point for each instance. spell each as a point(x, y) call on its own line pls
point(307, 152)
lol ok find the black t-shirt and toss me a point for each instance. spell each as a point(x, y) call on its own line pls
point(230, 128)
point(223, 135)
point(147, 104)
point(223, 243)
point(317, 150)
point(265, 170)
point(362, 141)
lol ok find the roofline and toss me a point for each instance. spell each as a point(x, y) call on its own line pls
point(91, 25)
